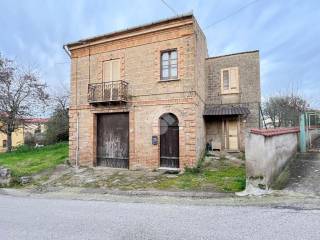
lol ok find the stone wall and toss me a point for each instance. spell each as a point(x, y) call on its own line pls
point(249, 83)
point(249, 78)
point(249, 88)
point(267, 153)
point(5, 176)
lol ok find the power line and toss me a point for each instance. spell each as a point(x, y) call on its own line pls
point(232, 14)
point(168, 6)
point(58, 63)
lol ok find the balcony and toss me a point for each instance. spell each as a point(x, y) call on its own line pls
point(108, 92)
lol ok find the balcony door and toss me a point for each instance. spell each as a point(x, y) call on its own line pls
point(111, 74)
point(111, 70)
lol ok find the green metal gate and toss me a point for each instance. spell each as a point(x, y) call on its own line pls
point(310, 131)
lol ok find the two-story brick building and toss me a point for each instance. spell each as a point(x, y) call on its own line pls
point(151, 97)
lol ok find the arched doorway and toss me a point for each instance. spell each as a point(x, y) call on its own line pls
point(169, 141)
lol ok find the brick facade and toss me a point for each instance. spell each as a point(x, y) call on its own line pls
point(139, 51)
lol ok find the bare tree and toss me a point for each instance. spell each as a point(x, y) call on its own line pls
point(61, 100)
point(21, 93)
point(284, 110)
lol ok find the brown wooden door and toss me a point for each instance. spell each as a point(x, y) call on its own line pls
point(113, 140)
point(169, 141)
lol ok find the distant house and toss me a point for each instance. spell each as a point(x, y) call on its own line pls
point(17, 139)
point(35, 125)
point(150, 96)
point(29, 128)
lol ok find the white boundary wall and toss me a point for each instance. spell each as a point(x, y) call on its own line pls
point(267, 153)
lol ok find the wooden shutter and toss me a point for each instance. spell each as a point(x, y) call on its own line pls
point(226, 79)
point(111, 70)
point(230, 80)
point(116, 70)
point(107, 71)
point(234, 79)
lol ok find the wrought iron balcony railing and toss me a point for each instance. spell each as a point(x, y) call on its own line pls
point(115, 91)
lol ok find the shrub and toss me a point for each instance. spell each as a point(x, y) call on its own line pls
point(58, 127)
point(23, 148)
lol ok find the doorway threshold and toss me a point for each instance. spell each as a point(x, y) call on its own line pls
point(169, 169)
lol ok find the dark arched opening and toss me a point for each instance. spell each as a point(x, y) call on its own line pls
point(169, 141)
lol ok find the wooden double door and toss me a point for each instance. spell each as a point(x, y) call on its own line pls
point(113, 140)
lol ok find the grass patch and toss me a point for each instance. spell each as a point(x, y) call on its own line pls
point(27, 161)
point(227, 178)
point(208, 175)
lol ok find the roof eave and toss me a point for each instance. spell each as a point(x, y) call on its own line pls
point(127, 30)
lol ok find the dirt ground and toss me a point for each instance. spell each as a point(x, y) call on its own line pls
point(216, 174)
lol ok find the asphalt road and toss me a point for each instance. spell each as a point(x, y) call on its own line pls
point(32, 218)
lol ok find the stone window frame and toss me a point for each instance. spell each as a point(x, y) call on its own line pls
point(169, 78)
point(233, 82)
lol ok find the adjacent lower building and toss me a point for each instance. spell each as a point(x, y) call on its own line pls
point(17, 139)
point(28, 128)
point(151, 97)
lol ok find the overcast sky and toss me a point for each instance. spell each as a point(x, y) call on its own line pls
point(287, 33)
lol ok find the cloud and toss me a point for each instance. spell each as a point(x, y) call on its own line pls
point(286, 34)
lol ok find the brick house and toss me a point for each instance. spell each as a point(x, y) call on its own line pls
point(151, 97)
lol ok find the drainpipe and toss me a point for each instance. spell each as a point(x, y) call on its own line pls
point(77, 149)
point(65, 48)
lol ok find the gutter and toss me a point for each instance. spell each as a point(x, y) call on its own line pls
point(65, 48)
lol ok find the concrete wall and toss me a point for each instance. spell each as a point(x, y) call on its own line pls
point(267, 153)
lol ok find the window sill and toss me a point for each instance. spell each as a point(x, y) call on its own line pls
point(169, 80)
point(229, 93)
